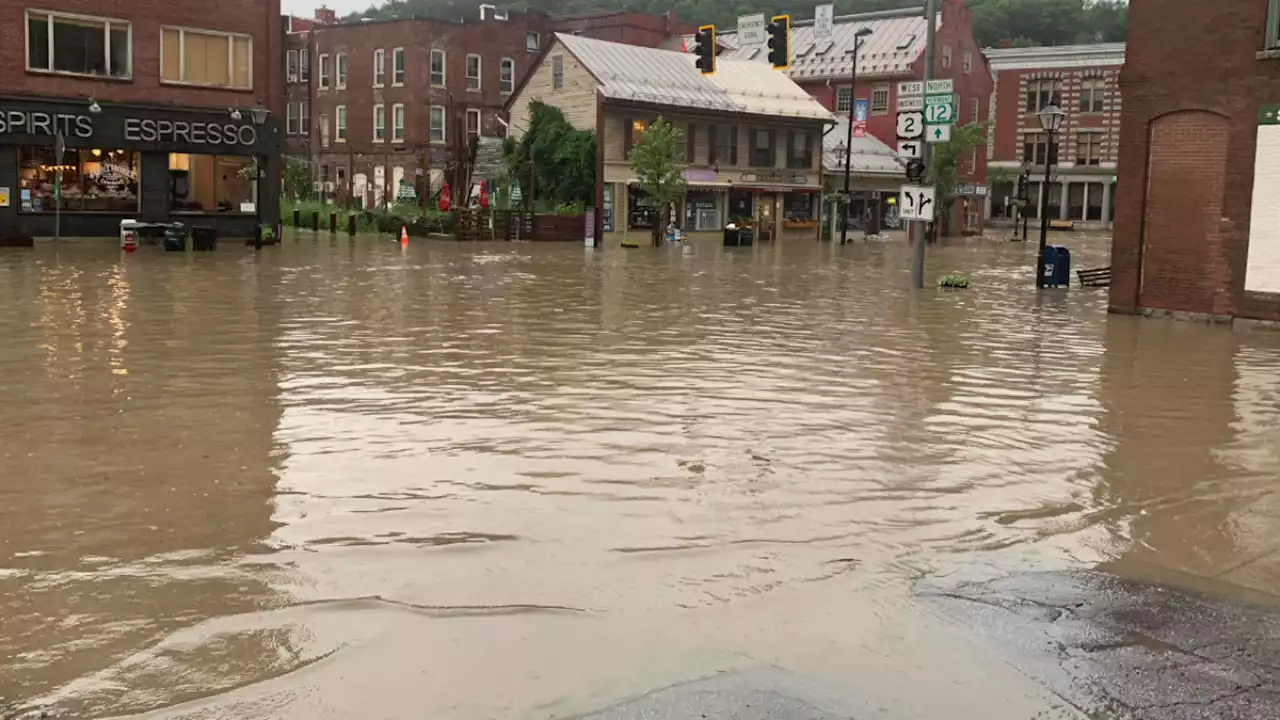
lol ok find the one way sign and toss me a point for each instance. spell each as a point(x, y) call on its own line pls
point(917, 202)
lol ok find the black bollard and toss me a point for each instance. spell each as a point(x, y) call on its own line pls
point(315, 221)
point(333, 222)
point(257, 237)
point(297, 217)
point(351, 224)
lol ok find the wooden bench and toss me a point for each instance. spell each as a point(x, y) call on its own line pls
point(1062, 225)
point(1097, 277)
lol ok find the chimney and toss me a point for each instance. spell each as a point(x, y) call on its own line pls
point(1004, 44)
point(325, 16)
point(670, 16)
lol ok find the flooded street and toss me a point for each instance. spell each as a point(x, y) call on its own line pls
point(336, 479)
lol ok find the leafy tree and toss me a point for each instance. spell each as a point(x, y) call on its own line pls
point(562, 159)
point(945, 160)
point(658, 164)
point(297, 177)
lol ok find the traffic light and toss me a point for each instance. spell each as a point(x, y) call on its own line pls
point(780, 42)
point(705, 48)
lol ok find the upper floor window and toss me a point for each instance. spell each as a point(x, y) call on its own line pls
point(437, 68)
point(397, 66)
point(800, 155)
point(379, 68)
point(473, 71)
point(304, 65)
point(506, 76)
point(1036, 149)
point(1089, 148)
point(206, 57)
point(435, 123)
point(532, 41)
point(880, 99)
point(1273, 24)
point(304, 117)
point(968, 62)
point(322, 81)
point(379, 122)
point(397, 123)
point(946, 55)
point(291, 66)
point(473, 121)
point(79, 45)
point(291, 115)
point(557, 72)
point(340, 71)
point(1092, 95)
point(844, 99)
point(340, 123)
point(1040, 92)
point(763, 153)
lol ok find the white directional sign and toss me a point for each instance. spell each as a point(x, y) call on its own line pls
point(910, 88)
point(939, 113)
point(917, 202)
point(909, 148)
point(910, 102)
point(910, 125)
point(933, 87)
point(824, 20)
point(937, 133)
point(751, 30)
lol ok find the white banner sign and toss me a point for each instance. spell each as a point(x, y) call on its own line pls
point(751, 30)
point(824, 20)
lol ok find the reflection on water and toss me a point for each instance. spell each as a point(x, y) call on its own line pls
point(221, 469)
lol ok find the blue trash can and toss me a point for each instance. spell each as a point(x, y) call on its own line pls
point(1055, 267)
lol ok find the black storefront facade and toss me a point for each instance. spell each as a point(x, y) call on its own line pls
point(158, 164)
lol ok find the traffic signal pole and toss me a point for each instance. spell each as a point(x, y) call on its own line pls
point(918, 233)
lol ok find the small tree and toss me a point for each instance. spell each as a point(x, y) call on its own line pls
point(657, 162)
point(945, 160)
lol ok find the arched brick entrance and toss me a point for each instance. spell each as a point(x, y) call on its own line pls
point(1183, 264)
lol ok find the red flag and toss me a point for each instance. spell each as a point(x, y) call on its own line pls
point(484, 197)
point(444, 197)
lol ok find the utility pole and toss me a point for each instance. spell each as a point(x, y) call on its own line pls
point(918, 233)
point(848, 141)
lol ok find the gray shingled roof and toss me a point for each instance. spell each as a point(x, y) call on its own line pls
point(869, 156)
point(896, 42)
point(665, 77)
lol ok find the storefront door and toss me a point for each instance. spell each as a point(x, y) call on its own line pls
point(767, 215)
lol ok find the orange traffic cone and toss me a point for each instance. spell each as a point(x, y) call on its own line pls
point(404, 235)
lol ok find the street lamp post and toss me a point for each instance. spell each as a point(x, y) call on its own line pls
point(848, 143)
point(1051, 116)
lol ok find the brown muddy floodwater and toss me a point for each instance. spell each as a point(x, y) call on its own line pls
point(336, 479)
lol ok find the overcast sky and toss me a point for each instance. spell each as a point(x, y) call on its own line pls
point(305, 8)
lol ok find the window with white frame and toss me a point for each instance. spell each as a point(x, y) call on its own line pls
point(473, 72)
point(1273, 24)
point(304, 117)
point(304, 65)
point(340, 123)
point(340, 71)
point(975, 107)
point(879, 99)
point(436, 124)
point(968, 62)
point(206, 57)
point(1089, 148)
point(1040, 92)
point(844, 99)
point(397, 66)
point(946, 55)
point(507, 76)
point(397, 123)
point(437, 67)
point(1093, 95)
point(473, 121)
point(532, 41)
point(322, 80)
point(291, 119)
point(379, 68)
point(79, 45)
point(291, 66)
point(323, 123)
point(379, 122)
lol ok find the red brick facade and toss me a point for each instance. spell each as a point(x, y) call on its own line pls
point(1195, 77)
point(259, 19)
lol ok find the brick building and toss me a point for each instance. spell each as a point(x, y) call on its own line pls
point(893, 52)
point(167, 111)
point(1086, 80)
point(1197, 229)
point(381, 98)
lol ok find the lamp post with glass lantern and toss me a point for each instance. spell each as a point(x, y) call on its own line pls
point(848, 155)
point(1051, 117)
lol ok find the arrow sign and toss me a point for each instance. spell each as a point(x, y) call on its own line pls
point(938, 134)
point(917, 202)
point(909, 148)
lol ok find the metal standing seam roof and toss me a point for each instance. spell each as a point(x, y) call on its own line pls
point(895, 43)
point(665, 77)
point(869, 155)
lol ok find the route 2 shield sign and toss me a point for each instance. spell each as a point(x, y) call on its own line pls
point(910, 125)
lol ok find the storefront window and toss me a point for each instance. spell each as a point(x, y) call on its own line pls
point(702, 211)
point(641, 214)
point(212, 183)
point(740, 205)
point(798, 206)
point(92, 180)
